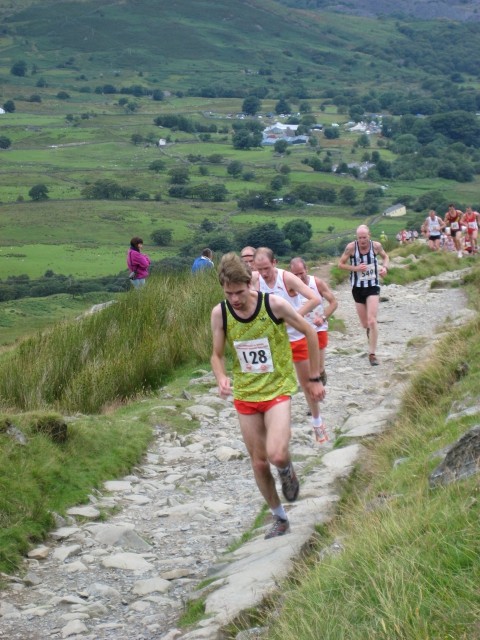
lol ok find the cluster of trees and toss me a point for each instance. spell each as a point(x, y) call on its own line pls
point(445, 145)
point(182, 123)
point(111, 190)
point(293, 237)
point(22, 286)
point(205, 192)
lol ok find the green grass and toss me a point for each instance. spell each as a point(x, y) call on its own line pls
point(19, 318)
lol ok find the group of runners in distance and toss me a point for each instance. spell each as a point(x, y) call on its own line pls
point(276, 323)
point(458, 231)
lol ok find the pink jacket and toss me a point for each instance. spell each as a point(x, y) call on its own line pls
point(138, 262)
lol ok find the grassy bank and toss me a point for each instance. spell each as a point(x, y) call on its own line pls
point(409, 564)
point(43, 476)
point(133, 346)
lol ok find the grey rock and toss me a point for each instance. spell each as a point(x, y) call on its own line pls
point(461, 461)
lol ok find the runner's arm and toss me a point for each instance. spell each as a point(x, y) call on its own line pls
point(282, 309)
point(380, 251)
point(293, 283)
point(344, 262)
point(327, 293)
point(218, 353)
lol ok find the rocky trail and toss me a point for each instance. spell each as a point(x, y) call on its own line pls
point(174, 517)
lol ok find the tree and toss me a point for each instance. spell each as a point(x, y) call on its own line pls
point(331, 133)
point(63, 95)
point(179, 175)
point(162, 237)
point(38, 192)
point(298, 232)
point(406, 143)
point(207, 225)
point(5, 142)
point(348, 196)
point(282, 106)
point(136, 138)
point(157, 166)
point(356, 112)
point(19, 68)
point(280, 146)
point(363, 141)
point(235, 168)
point(251, 105)
point(244, 139)
point(266, 235)
point(9, 106)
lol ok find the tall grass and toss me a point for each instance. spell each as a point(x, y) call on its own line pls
point(133, 346)
point(410, 565)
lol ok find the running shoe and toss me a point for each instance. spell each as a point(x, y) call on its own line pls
point(373, 360)
point(290, 484)
point(321, 434)
point(279, 528)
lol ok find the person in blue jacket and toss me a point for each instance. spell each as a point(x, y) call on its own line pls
point(203, 262)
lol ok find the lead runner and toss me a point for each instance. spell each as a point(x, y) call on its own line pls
point(253, 324)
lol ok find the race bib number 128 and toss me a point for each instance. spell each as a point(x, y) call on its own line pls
point(254, 355)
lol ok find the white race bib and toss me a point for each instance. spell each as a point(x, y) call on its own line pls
point(454, 226)
point(254, 355)
point(369, 274)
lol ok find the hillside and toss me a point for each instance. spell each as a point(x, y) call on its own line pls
point(463, 10)
point(226, 46)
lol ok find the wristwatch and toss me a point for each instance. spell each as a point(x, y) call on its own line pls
point(317, 379)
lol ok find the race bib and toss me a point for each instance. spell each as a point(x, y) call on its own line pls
point(472, 225)
point(369, 274)
point(454, 226)
point(254, 355)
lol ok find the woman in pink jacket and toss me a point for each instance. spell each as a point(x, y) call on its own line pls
point(137, 262)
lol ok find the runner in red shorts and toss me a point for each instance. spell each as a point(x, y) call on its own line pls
point(253, 324)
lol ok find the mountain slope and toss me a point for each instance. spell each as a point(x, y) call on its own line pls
point(260, 43)
point(463, 10)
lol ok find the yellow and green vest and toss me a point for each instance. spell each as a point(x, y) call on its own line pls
point(262, 360)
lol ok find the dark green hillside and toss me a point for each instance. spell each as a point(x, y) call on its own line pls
point(230, 48)
point(463, 10)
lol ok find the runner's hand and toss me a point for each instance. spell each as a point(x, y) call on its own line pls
point(316, 391)
point(224, 387)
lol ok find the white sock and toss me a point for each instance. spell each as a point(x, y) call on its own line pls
point(280, 512)
point(317, 422)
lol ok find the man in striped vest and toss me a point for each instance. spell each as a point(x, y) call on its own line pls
point(360, 258)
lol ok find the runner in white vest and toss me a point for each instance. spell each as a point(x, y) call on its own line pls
point(269, 279)
point(432, 229)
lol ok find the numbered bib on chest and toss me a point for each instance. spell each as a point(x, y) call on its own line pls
point(254, 355)
point(368, 274)
point(454, 225)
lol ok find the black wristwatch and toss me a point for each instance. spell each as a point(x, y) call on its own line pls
point(317, 379)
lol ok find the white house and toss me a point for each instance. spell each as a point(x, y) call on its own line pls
point(395, 211)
